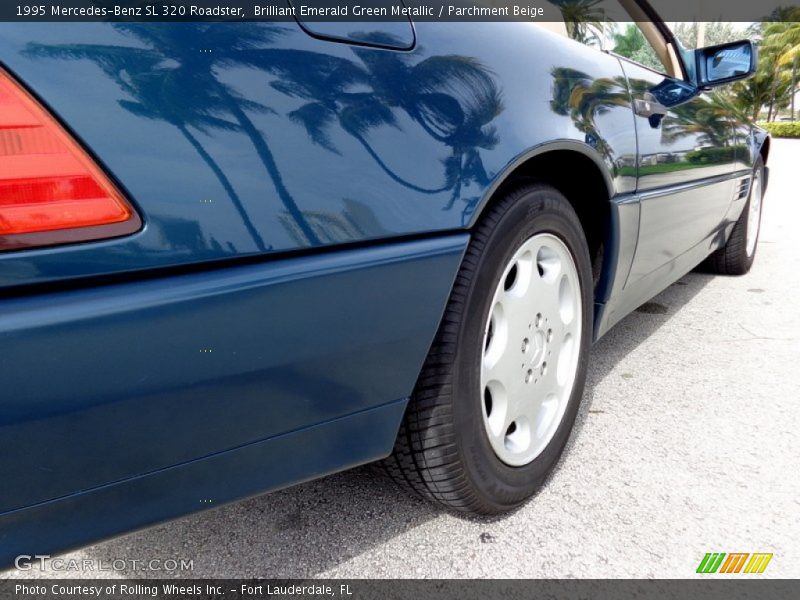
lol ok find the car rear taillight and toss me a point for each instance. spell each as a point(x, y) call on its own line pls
point(51, 191)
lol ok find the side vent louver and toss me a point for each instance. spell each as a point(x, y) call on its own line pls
point(742, 189)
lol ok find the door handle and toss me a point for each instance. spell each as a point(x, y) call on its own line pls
point(651, 109)
point(649, 106)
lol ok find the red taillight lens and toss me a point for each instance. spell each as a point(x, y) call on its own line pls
point(51, 191)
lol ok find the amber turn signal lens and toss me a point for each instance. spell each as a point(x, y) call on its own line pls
point(51, 191)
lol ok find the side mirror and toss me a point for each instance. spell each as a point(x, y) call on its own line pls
point(718, 65)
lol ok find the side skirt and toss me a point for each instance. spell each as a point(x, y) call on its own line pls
point(249, 470)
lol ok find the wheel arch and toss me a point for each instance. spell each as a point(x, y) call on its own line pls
point(764, 149)
point(590, 194)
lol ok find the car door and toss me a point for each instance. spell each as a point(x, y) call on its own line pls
point(685, 164)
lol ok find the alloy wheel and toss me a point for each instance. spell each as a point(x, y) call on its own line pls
point(531, 347)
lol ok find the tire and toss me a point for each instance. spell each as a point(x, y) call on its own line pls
point(736, 257)
point(448, 448)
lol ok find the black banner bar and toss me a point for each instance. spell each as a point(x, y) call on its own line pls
point(382, 10)
point(744, 588)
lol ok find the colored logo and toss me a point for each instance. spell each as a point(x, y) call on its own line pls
point(720, 562)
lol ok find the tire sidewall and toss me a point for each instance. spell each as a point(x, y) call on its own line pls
point(749, 260)
point(539, 209)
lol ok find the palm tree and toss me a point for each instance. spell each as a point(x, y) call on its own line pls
point(184, 44)
point(453, 99)
point(751, 95)
point(782, 46)
point(709, 122)
point(325, 83)
point(159, 94)
point(584, 19)
point(785, 36)
point(179, 46)
point(583, 98)
point(779, 79)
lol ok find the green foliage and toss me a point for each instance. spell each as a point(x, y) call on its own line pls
point(783, 130)
point(715, 33)
point(783, 39)
point(632, 44)
point(778, 72)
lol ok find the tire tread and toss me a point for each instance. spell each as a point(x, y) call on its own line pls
point(425, 458)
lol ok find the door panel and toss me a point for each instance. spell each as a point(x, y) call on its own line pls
point(685, 164)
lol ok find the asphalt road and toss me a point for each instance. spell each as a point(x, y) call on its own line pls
point(688, 442)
